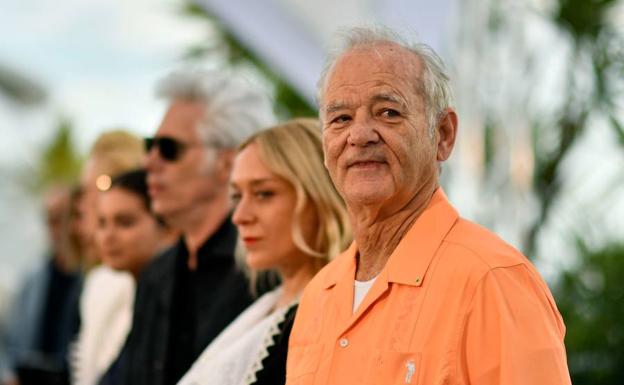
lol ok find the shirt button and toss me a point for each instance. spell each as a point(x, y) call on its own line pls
point(343, 342)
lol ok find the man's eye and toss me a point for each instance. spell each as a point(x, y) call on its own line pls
point(235, 198)
point(390, 113)
point(341, 119)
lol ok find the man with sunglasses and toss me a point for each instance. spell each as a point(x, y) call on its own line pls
point(191, 292)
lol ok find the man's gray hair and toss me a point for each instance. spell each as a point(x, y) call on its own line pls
point(235, 109)
point(434, 88)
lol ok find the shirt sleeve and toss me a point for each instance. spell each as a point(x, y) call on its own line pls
point(513, 332)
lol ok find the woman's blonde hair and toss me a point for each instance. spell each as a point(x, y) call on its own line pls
point(293, 151)
point(117, 151)
point(114, 152)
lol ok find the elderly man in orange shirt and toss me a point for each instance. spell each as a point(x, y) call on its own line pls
point(422, 296)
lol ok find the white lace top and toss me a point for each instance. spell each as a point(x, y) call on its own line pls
point(235, 356)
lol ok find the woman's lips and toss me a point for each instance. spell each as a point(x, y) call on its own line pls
point(250, 241)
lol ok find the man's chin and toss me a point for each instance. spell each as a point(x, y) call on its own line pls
point(162, 209)
point(368, 196)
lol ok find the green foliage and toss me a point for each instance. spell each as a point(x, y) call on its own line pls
point(60, 161)
point(19, 88)
point(288, 102)
point(583, 18)
point(597, 54)
point(619, 129)
point(590, 298)
point(488, 146)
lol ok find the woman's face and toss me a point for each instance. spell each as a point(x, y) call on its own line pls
point(127, 234)
point(264, 214)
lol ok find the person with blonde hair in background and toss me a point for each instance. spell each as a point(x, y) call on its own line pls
point(108, 295)
point(291, 220)
point(114, 152)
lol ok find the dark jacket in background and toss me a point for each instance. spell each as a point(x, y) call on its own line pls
point(44, 319)
point(178, 312)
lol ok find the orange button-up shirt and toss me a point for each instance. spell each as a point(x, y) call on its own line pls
point(453, 305)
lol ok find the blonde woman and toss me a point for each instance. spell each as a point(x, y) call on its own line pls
point(291, 220)
point(108, 295)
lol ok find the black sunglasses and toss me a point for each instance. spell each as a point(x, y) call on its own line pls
point(170, 149)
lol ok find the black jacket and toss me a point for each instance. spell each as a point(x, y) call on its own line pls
point(177, 313)
point(273, 370)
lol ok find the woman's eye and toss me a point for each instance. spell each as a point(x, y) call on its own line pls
point(264, 194)
point(126, 221)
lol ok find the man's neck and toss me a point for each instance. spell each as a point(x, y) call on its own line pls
point(377, 234)
point(61, 262)
point(202, 223)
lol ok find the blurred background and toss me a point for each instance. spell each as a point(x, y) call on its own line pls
point(539, 89)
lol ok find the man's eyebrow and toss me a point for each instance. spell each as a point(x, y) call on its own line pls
point(385, 97)
point(380, 97)
point(336, 106)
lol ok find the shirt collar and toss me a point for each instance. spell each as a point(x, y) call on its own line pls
point(409, 262)
point(218, 248)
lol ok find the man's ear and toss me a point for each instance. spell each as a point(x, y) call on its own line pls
point(225, 161)
point(447, 132)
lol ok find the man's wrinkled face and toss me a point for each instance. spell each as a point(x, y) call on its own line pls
point(375, 136)
point(176, 186)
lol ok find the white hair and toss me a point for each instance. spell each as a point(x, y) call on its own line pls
point(234, 108)
point(434, 88)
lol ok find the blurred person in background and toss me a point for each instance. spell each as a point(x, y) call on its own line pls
point(187, 296)
point(422, 296)
point(44, 314)
point(291, 220)
point(128, 234)
point(112, 153)
point(108, 295)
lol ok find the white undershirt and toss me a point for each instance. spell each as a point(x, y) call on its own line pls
point(360, 290)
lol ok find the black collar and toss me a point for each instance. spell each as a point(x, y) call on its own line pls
point(217, 249)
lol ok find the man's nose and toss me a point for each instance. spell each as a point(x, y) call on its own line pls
point(363, 132)
point(152, 159)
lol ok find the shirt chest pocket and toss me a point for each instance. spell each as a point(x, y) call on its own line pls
point(393, 368)
point(302, 364)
